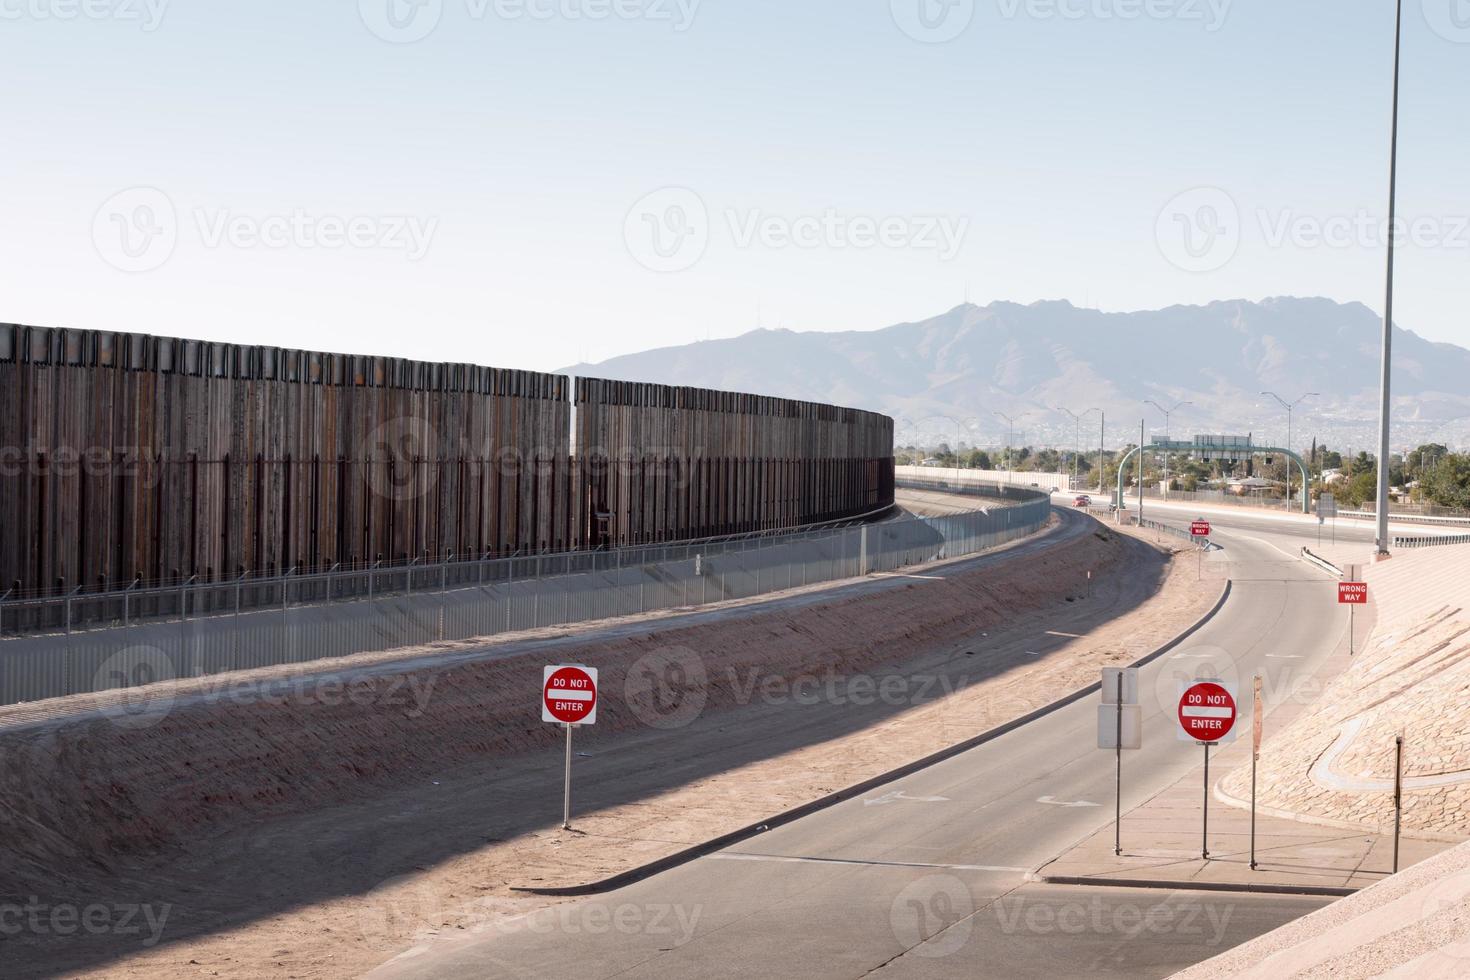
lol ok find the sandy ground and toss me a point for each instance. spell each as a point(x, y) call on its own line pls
point(311, 831)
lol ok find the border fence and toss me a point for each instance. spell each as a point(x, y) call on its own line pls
point(138, 464)
point(207, 629)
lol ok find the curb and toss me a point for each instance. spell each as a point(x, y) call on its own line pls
point(807, 809)
point(1198, 886)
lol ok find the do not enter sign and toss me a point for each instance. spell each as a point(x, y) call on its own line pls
point(569, 695)
point(1206, 711)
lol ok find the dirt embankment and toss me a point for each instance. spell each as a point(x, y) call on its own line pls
point(263, 814)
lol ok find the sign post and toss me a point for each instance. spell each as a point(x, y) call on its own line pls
point(1200, 531)
point(1119, 727)
point(1257, 724)
point(1352, 594)
point(1207, 713)
point(569, 698)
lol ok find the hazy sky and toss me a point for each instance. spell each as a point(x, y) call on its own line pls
point(529, 183)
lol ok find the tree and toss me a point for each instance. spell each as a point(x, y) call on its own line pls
point(978, 459)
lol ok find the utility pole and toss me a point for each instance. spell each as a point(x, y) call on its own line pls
point(1386, 378)
point(1167, 412)
point(1078, 419)
point(1010, 434)
point(1290, 407)
point(1102, 437)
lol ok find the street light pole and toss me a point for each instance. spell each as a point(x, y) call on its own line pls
point(1167, 412)
point(1290, 408)
point(1078, 419)
point(1010, 434)
point(1385, 382)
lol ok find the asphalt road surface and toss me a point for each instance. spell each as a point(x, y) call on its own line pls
point(926, 877)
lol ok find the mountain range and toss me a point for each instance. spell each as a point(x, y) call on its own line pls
point(947, 376)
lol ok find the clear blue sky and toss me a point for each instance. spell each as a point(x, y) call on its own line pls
point(489, 167)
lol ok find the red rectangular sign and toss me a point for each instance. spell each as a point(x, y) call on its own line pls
point(1200, 529)
point(1352, 593)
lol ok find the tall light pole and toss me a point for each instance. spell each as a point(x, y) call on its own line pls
point(1385, 384)
point(1290, 407)
point(1010, 434)
point(1167, 412)
point(1078, 419)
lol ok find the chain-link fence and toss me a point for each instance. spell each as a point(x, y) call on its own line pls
point(200, 630)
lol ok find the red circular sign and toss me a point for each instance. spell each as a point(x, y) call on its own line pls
point(570, 695)
point(1206, 712)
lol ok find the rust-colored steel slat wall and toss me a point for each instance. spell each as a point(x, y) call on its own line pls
point(125, 454)
point(660, 463)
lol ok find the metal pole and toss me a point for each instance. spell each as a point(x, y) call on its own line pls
point(1102, 437)
point(1142, 423)
point(566, 800)
point(1205, 847)
point(1257, 724)
point(1398, 796)
point(1118, 795)
point(1386, 376)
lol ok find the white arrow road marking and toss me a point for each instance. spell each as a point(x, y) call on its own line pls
point(899, 795)
point(1053, 801)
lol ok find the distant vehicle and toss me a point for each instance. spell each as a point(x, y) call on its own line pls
point(1036, 485)
point(1056, 489)
point(1083, 500)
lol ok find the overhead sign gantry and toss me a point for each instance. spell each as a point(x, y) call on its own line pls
point(1226, 448)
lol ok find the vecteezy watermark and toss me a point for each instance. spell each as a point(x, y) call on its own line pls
point(1361, 229)
point(1199, 230)
point(138, 229)
point(411, 906)
point(1450, 19)
point(670, 230)
point(402, 452)
point(932, 21)
point(134, 673)
point(1202, 230)
point(933, 917)
point(39, 918)
point(147, 14)
point(667, 688)
point(407, 21)
point(1017, 914)
point(1209, 13)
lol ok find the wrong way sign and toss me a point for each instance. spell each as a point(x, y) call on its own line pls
point(1207, 711)
point(1352, 593)
point(1200, 529)
point(569, 695)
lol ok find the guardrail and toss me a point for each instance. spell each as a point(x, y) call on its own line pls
point(1428, 540)
point(208, 630)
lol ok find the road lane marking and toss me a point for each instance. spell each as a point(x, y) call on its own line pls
point(1053, 801)
point(778, 859)
point(899, 795)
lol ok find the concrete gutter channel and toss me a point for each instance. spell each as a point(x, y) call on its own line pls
point(633, 875)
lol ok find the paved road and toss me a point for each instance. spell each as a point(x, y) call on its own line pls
point(927, 877)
